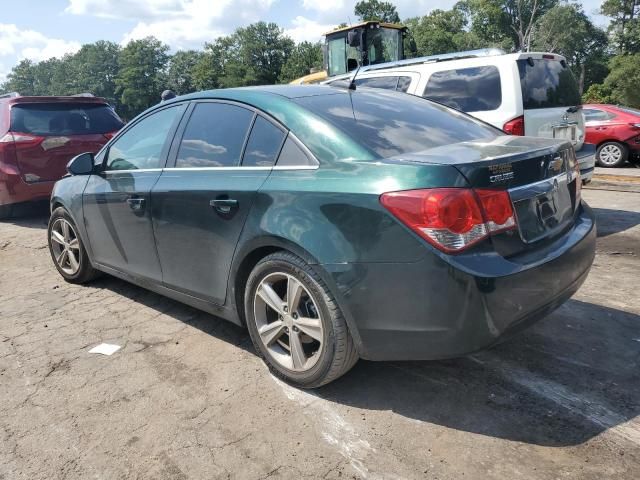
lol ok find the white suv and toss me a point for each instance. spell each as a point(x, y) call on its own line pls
point(531, 94)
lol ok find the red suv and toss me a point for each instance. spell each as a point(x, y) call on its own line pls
point(39, 135)
point(616, 133)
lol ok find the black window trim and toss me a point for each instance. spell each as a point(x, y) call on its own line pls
point(166, 148)
point(179, 133)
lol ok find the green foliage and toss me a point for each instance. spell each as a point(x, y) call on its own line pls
point(181, 72)
point(141, 79)
point(625, 24)
point(376, 10)
point(442, 31)
point(94, 69)
point(303, 58)
point(600, 93)
point(623, 79)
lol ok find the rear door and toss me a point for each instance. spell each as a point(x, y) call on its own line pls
point(224, 154)
point(551, 100)
point(48, 135)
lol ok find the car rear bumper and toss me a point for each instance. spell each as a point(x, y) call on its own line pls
point(15, 190)
point(432, 310)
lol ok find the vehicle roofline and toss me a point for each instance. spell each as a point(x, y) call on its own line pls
point(55, 99)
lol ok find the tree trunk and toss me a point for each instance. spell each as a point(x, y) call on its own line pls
point(581, 79)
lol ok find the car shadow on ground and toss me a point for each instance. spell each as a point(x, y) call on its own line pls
point(612, 221)
point(560, 383)
point(29, 216)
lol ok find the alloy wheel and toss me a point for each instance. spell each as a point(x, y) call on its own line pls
point(65, 246)
point(610, 154)
point(288, 321)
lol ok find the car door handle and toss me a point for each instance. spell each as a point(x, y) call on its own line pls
point(224, 205)
point(136, 204)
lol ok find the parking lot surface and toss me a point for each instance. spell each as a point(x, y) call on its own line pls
point(186, 397)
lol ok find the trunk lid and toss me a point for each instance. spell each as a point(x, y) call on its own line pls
point(540, 175)
point(551, 99)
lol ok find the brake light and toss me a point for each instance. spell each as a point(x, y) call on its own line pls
point(515, 126)
point(452, 219)
point(109, 135)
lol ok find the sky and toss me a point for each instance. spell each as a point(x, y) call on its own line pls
point(41, 29)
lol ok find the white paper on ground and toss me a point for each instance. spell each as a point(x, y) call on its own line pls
point(105, 349)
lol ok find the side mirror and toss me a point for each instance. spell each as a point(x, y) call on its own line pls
point(81, 164)
point(353, 38)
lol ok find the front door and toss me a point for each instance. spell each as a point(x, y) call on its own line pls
point(116, 201)
point(200, 206)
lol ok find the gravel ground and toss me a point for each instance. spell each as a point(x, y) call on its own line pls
point(186, 397)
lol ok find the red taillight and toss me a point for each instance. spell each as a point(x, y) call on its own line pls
point(514, 127)
point(109, 135)
point(452, 219)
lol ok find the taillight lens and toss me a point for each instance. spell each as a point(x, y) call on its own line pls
point(452, 219)
point(109, 135)
point(515, 126)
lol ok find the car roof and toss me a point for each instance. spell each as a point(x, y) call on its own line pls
point(241, 93)
point(51, 99)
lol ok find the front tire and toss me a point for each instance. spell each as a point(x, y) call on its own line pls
point(612, 154)
point(67, 251)
point(295, 323)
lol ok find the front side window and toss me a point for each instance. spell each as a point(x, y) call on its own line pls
point(264, 144)
point(475, 89)
point(214, 136)
point(141, 146)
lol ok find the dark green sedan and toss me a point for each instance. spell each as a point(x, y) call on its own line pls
point(334, 224)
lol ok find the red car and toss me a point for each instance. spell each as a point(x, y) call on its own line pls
point(615, 131)
point(39, 135)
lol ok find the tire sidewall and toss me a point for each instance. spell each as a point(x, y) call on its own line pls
point(60, 212)
point(323, 365)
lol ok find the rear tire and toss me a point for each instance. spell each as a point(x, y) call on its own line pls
point(612, 154)
point(295, 323)
point(67, 251)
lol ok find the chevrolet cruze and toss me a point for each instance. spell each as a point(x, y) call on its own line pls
point(335, 224)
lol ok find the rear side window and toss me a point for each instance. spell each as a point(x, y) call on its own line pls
point(547, 84)
point(400, 84)
point(388, 83)
point(476, 89)
point(264, 144)
point(594, 115)
point(214, 136)
point(391, 123)
point(53, 119)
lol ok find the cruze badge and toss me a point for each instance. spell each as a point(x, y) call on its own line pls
point(501, 173)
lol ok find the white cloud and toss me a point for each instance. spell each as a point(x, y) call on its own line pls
point(323, 5)
point(179, 23)
point(30, 44)
point(305, 29)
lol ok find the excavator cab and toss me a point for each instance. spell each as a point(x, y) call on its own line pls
point(367, 43)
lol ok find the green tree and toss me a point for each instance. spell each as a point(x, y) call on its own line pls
point(599, 93)
point(376, 10)
point(303, 58)
point(181, 72)
point(141, 75)
point(583, 45)
point(21, 79)
point(94, 69)
point(505, 22)
point(624, 27)
point(623, 79)
point(441, 31)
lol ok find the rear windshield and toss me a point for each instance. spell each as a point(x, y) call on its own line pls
point(547, 84)
point(64, 119)
point(390, 123)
